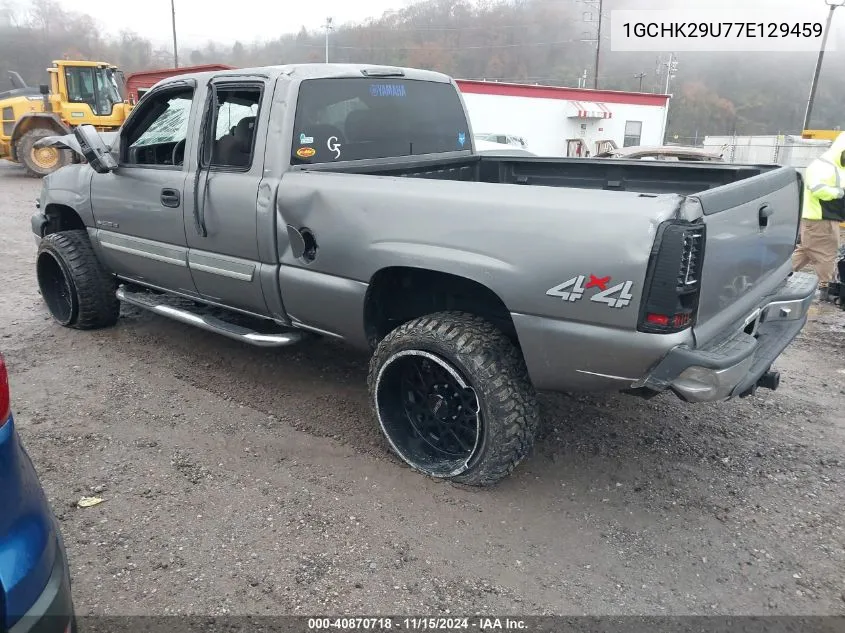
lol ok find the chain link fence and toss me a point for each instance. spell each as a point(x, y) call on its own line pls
point(781, 149)
point(778, 149)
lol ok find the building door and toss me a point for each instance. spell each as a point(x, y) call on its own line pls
point(605, 146)
point(575, 147)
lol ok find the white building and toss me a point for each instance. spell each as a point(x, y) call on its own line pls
point(565, 121)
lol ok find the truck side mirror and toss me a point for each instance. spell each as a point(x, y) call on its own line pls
point(44, 89)
point(94, 149)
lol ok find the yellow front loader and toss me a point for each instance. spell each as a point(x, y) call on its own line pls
point(79, 93)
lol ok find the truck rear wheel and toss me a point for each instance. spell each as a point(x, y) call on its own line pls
point(453, 398)
point(40, 161)
point(77, 290)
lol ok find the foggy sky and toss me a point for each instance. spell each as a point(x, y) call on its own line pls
point(199, 21)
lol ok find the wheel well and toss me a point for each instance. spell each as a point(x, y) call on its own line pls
point(398, 294)
point(61, 218)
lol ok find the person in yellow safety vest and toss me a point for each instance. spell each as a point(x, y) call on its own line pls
point(824, 209)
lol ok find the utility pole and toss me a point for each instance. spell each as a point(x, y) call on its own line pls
point(671, 69)
point(640, 76)
point(833, 4)
point(175, 50)
point(598, 50)
point(588, 17)
point(328, 28)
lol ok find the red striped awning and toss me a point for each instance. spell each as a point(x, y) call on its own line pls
point(588, 110)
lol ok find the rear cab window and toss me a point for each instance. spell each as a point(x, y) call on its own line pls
point(344, 119)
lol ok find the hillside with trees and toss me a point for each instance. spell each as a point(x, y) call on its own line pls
point(528, 41)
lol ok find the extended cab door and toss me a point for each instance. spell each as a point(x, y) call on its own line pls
point(222, 229)
point(138, 208)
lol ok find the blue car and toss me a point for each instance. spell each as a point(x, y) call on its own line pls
point(34, 580)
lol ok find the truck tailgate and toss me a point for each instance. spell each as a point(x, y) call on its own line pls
point(751, 229)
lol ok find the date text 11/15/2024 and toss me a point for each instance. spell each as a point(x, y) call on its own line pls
point(418, 624)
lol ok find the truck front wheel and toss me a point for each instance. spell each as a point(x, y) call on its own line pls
point(77, 290)
point(40, 161)
point(453, 398)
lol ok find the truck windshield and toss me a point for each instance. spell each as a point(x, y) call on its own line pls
point(355, 119)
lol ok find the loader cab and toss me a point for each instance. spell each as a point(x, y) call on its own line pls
point(92, 93)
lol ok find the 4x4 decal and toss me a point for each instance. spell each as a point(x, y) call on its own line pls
point(575, 288)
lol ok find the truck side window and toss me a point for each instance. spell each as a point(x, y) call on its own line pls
point(233, 124)
point(157, 133)
point(359, 118)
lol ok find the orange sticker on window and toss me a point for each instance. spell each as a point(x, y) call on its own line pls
point(306, 152)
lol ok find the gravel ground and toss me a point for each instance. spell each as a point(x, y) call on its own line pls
point(243, 481)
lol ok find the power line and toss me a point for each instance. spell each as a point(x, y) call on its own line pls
point(356, 29)
point(545, 80)
point(509, 80)
point(438, 48)
point(491, 27)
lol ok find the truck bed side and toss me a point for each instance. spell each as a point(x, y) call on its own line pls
point(594, 220)
point(520, 242)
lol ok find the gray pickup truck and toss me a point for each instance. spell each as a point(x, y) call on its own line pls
point(346, 201)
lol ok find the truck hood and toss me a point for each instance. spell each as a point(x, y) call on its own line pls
point(68, 141)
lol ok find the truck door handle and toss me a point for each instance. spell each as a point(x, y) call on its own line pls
point(763, 215)
point(170, 197)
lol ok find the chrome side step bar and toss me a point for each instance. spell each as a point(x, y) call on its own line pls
point(150, 302)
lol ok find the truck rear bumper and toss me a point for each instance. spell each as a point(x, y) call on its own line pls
point(736, 365)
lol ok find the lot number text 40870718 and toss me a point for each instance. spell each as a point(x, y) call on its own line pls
point(418, 624)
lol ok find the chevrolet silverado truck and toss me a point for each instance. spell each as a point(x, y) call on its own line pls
point(273, 204)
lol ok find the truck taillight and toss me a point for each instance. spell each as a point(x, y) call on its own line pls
point(5, 398)
point(673, 281)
